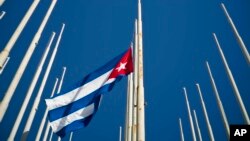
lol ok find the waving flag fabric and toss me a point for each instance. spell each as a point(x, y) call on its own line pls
point(73, 109)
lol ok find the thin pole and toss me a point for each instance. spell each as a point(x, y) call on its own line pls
point(5, 53)
point(61, 81)
point(50, 137)
point(219, 103)
point(232, 81)
point(120, 134)
point(181, 130)
point(1, 2)
point(37, 100)
point(6, 62)
point(135, 92)
point(128, 125)
point(12, 87)
point(130, 108)
point(127, 111)
point(197, 125)
point(47, 126)
point(2, 14)
point(59, 90)
point(210, 131)
point(141, 104)
point(30, 90)
point(39, 133)
point(189, 115)
point(71, 136)
point(237, 35)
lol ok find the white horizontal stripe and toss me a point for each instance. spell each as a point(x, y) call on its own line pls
point(109, 81)
point(77, 93)
point(57, 125)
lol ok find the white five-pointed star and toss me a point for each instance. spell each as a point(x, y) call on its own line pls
point(121, 67)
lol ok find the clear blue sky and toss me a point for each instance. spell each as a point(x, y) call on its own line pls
point(177, 38)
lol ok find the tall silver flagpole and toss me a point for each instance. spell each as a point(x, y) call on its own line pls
point(47, 126)
point(1, 2)
point(128, 126)
point(37, 99)
point(189, 115)
point(210, 131)
point(130, 118)
point(232, 81)
point(59, 90)
point(12, 87)
point(39, 133)
point(61, 81)
point(6, 62)
point(127, 111)
point(197, 125)
point(237, 35)
point(50, 137)
point(181, 130)
point(120, 134)
point(141, 102)
point(5, 53)
point(2, 14)
point(135, 92)
point(71, 136)
point(219, 103)
point(30, 90)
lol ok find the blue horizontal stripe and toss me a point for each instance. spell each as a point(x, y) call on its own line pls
point(81, 103)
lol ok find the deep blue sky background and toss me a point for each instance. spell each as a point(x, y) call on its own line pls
point(177, 38)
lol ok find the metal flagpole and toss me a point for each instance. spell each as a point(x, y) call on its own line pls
point(128, 126)
point(140, 98)
point(127, 111)
point(237, 35)
point(1, 2)
point(50, 137)
point(47, 126)
point(12, 87)
point(71, 136)
point(59, 89)
point(120, 134)
point(197, 125)
point(189, 115)
point(39, 133)
point(30, 90)
point(2, 14)
point(232, 81)
point(181, 130)
point(5, 53)
point(61, 81)
point(210, 131)
point(135, 91)
point(37, 100)
point(6, 62)
point(219, 103)
point(130, 107)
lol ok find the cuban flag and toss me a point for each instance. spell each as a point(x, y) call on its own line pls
point(73, 109)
